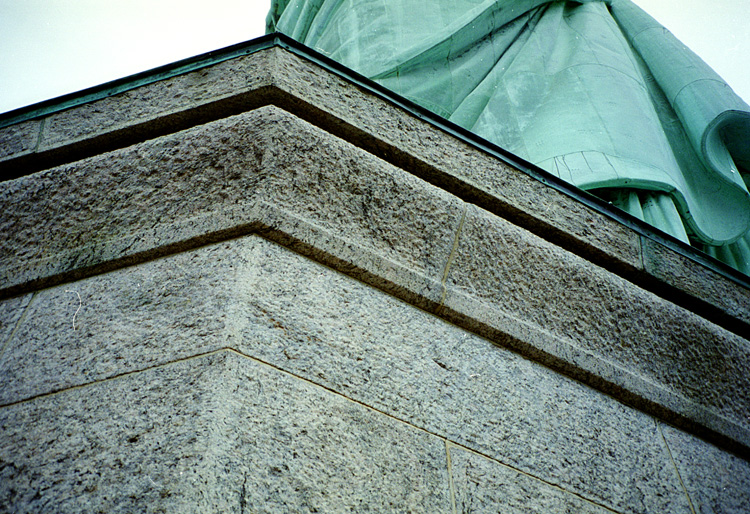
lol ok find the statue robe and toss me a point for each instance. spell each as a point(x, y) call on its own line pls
point(594, 91)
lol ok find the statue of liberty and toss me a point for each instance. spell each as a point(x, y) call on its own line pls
point(593, 91)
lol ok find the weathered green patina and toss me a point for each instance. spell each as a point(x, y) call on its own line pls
point(596, 92)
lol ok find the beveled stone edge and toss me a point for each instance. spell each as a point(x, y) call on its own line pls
point(691, 279)
point(709, 303)
point(564, 355)
point(363, 264)
point(221, 355)
point(259, 217)
point(429, 294)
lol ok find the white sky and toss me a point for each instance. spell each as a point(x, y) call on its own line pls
point(52, 47)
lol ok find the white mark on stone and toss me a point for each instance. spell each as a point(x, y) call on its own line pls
point(80, 304)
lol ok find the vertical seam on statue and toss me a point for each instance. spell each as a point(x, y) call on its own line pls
point(674, 465)
point(450, 475)
point(19, 322)
point(452, 255)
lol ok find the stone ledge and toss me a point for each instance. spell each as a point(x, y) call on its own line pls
point(697, 281)
point(19, 140)
point(263, 156)
point(380, 127)
point(215, 433)
point(288, 312)
point(514, 275)
point(268, 172)
point(324, 99)
point(139, 114)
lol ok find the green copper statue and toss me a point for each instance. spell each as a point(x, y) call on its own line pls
point(593, 91)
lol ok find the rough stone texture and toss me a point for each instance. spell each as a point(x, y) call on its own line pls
point(197, 181)
point(74, 397)
point(19, 139)
point(218, 433)
point(717, 482)
point(568, 306)
point(281, 308)
point(356, 115)
point(689, 276)
point(11, 311)
point(164, 99)
point(128, 320)
point(462, 169)
point(485, 486)
point(414, 366)
point(269, 172)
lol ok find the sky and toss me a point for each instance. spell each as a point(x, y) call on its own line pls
point(53, 47)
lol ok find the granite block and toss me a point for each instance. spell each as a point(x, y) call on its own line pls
point(192, 179)
point(348, 191)
point(126, 320)
point(717, 481)
point(95, 209)
point(160, 104)
point(485, 486)
point(11, 311)
point(596, 314)
point(141, 443)
point(334, 331)
point(697, 280)
point(19, 139)
point(219, 433)
point(284, 309)
point(406, 140)
point(298, 444)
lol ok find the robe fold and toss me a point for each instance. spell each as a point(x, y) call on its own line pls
point(593, 91)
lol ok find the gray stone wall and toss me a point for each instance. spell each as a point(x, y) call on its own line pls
point(243, 377)
point(296, 297)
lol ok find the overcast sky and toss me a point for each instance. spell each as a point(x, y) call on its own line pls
point(52, 47)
